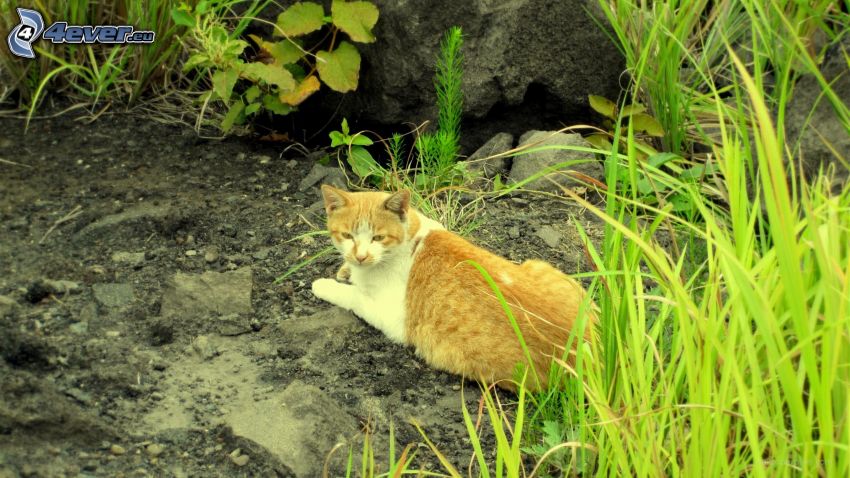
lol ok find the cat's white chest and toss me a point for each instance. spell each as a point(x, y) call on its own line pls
point(385, 288)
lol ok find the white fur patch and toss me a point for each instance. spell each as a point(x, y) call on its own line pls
point(381, 287)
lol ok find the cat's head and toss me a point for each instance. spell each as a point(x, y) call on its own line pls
point(366, 227)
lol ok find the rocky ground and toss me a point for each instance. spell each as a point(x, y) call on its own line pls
point(142, 332)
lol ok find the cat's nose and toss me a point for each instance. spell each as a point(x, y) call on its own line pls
point(360, 258)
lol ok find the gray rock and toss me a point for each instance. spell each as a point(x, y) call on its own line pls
point(144, 212)
point(62, 287)
point(547, 55)
point(130, 258)
point(529, 164)
point(550, 236)
point(481, 164)
point(198, 295)
point(204, 348)
point(513, 232)
point(323, 174)
point(232, 324)
point(262, 254)
point(113, 295)
point(815, 151)
point(302, 425)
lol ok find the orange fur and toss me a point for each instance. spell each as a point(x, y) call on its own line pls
point(451, 316)
point(456, 323)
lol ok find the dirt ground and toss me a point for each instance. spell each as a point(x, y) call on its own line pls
point(142, 333)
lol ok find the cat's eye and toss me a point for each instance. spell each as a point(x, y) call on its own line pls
point(378, 238)
point(346, 235)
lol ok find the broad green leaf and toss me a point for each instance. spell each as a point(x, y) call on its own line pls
point(182, 18)
point(633, 109)
point(600, 141)
point(300, 19)
point(361, 162)
point(682, 204)
point(272, 103)
point(252, 108)
point(603, 106)
point(648, 124)
point(202, 7)
point(659, 159)
point(361, 140)
point(304, 89)
point(223, 82)
point(644, 187)
point(356, 19)
point(232, 115)
point(197, 60)
point(339, 69)
point(219, 35)
point(283, 52)
point(235, 48)
point(270, 74)
point(252, 93)
point(337, 139)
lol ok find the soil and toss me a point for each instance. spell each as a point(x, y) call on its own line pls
point(142, 332)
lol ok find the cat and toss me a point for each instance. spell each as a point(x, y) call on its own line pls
point(410, 279)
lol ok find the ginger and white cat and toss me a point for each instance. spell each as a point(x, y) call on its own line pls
point(410, 279)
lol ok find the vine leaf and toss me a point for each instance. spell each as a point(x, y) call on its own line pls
point(339, 69)
point(644, 122)
point(270, 74)
point(603, 106)
point(304, 89)
point(223, 82)
point(633, 109)
point(284, 52)
point(232, 115)
point(356, 19)
point(300, 19)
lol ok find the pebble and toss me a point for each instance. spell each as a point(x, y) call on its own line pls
point(79, 328)
point(155, 449)
point(117, 450)
point(264, 159)
point(549, 235)
point(238, 458)
point(456, 387)
point(262, 254)
point(191, 253)
point(113, 334)
point(513, 232)
point(211, 255)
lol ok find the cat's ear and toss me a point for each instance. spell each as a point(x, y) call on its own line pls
point(398, 203)
point(334, 198)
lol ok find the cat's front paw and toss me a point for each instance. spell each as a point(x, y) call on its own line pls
point(344, 273)
point(327, 290)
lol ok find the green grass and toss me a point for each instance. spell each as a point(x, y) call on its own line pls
point(93, 73)
point(724, 342)
point(732, 359)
